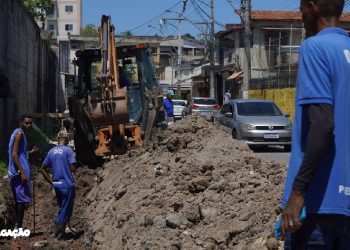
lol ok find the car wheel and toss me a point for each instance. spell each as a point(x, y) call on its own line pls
point(287, 148)
point(234, 134)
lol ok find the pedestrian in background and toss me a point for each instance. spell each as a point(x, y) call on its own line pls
point(19, 168)
point(227, 96)
point(61, 160)
point(169, 107)
point(319, 169)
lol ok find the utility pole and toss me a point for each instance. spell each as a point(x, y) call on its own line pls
point(179, 48)
point(245, 16)
point(290, 53)
point(211, 53)
point(279, 60)
point(179, 56)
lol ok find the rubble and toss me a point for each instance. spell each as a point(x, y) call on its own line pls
point(192, 187)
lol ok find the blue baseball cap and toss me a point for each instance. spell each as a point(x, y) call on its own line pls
point(170, 92)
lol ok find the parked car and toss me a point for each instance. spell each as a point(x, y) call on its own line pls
point(204, 106)
point(179, 106)
point(257, 122)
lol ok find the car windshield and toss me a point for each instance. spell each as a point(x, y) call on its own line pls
point(258, 109)
point(179, 103)
point(205, 101)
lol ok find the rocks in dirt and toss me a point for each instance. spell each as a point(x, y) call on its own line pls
point(92, 195)
point(199, 184)
point(40, 244)
point(148, 221)
point(195, 188)
point(175, 221)
point(161, 170)
point(121, 190)
point(89, 234)
point(272, 243)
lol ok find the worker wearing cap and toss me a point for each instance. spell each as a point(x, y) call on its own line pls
point(61, 160)
point(169, 106)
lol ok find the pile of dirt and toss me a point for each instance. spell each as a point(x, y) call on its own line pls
point(194, 187)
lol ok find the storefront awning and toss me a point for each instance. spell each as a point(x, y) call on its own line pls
point(235, 75)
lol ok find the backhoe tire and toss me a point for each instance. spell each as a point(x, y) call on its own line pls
point(83, 149)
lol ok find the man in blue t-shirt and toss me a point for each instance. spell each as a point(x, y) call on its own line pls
point(319, 169)
point(169, 106)
point(61, 160)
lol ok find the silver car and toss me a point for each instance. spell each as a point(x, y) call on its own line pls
point(204, 106)
point(179, 106)
point(257, 122)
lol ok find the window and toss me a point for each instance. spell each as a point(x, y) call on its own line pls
point(205, 101)
point(258, 109)
point(230, 57)
point(69, 8)
point(154, 50)
point(69, 27)
point(51, 27)
point(51, 10)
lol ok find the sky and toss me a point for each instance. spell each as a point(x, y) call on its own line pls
point(142, 17)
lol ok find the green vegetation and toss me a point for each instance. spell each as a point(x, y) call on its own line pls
point(90, 30)
point(38, 9)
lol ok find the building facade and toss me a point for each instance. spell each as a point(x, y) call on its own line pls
point(276, 39)
point(64, 18)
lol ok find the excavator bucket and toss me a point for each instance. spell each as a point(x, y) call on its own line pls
point(108, 105)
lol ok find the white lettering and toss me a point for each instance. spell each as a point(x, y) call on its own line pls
point(347, 55)
point(15, 233)
point(58, 151)
point(344, 190)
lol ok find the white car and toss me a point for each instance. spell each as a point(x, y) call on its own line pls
point(179, 105)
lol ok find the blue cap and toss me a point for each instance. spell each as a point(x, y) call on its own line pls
point(171, 92)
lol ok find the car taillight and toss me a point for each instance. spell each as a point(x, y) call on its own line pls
point(216, 106)
point(194, 106)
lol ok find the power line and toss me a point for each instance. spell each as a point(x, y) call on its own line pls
point(156, 17)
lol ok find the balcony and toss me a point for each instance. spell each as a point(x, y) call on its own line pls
point(52, 16)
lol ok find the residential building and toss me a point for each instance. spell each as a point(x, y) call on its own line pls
point(276, 38)
point(64, 18)
point(179, 77)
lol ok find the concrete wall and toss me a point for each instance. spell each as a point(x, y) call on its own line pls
point(27, 69)
point(284, 98)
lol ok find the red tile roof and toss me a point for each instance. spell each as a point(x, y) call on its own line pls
point(266, 15)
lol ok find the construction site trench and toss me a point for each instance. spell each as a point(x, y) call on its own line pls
point(191, 187)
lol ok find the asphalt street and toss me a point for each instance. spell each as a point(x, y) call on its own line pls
point(275, 153)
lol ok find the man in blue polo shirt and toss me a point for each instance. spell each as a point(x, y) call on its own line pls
point(169, 107)
point(61, 160)
point(319, 169)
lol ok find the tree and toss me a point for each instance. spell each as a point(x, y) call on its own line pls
point(126, 33)
point(38, 9)
point(90, 30)
point(188, 35)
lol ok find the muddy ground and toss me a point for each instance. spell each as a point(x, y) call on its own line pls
point(45, 211)
point(192, 187)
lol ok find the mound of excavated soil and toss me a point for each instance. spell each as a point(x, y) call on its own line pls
point(193, 188)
